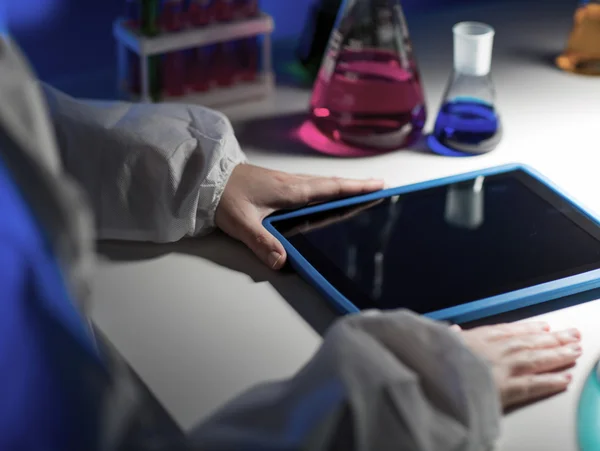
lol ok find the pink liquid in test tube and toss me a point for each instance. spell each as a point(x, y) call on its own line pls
point(201, 12)
point(172, 17)
point(224, 10)
point(246, 8)
point(247, 55)
point(197, 73)
point(252, 8)
point(173, 74)
point(223, 64)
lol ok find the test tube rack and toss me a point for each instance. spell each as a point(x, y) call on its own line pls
point(144, 47)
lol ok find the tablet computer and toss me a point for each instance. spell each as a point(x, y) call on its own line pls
point(459, 248)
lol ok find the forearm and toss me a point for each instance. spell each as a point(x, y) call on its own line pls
point(394, 381)
point(151, 172)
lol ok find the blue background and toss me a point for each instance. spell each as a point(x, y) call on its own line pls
point(70, 44)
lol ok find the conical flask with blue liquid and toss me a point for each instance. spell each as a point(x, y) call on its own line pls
point(468, 122)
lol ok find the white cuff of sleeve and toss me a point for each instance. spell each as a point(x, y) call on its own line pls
point(218, 177)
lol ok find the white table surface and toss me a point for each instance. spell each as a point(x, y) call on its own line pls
point(202, 320)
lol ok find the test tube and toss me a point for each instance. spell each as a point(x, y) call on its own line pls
point(223, 64)
point(247, 55)
point(197, 73)
point(201, 12)
point(173, 74)
point(172, 15)
point(225, 10)
point(246, 8)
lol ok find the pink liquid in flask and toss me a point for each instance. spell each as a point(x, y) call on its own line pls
point(369, 101)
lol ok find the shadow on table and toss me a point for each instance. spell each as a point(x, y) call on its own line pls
point(535, 55)
point(305, 300)
point(225, 252)
point(277, 134)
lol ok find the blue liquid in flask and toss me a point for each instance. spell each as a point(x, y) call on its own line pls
point(465, 126)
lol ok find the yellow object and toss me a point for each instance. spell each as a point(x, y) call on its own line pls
point(582, 54)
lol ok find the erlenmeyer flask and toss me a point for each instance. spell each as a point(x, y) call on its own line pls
point(468, 122)
point(368, 93)
point(582, 53)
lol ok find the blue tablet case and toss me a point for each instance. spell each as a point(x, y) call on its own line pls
point(462, 313)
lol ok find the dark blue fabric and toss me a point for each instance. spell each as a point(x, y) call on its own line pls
point(48, 365)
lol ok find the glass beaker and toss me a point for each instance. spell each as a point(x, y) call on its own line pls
point(368, 93)
point(582, 53)
point(468, 122)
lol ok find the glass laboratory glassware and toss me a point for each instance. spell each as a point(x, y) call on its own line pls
point(150, 27)
point(172, 15)
point(468, 122)
point(246, 8)
point(368, 94)
point(200, 12)
point(224, 10)
point(222, 64)
point(149, 17)
point(247, 55)
point(198, 77)
point(173, 73)
point(582, 53)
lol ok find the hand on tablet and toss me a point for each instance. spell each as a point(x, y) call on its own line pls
point(252, 193)
point(525, 357)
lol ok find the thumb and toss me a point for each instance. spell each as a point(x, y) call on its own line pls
point(266, 247)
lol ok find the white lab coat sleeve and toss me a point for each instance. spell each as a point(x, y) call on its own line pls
point(393, 381)
point(152, 172)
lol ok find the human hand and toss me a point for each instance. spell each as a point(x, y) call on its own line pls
point(252, 193)
point(524, 358)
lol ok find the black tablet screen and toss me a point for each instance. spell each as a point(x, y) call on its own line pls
point(449, 245)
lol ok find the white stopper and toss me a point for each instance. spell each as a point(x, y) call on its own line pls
point(473, 43)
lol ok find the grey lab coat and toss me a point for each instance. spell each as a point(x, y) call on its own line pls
point(380, 381)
